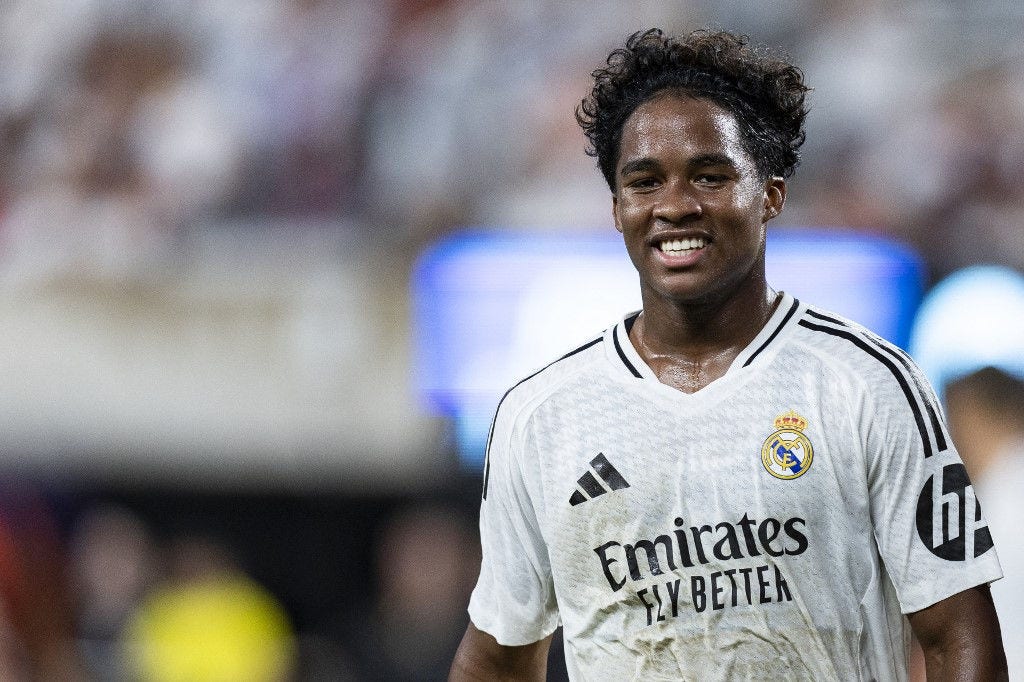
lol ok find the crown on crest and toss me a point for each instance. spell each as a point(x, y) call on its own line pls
point(790, 420)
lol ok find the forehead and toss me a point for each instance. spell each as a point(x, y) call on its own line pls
point(674, 126)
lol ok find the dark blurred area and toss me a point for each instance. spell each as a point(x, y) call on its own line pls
point(214, 466)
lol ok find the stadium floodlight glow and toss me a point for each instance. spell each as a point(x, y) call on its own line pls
point(972, 319)
point(491, 307)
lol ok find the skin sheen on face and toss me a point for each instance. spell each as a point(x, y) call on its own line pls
point(690, 203)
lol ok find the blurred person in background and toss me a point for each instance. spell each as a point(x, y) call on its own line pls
point(118, 159)
point(297, 75)
point(969, 338)
point(37, 627)
point(986, 418)
point(208, 622)
point(425, 561)
point(695, 137)
point(967, 130)
point(114, 561)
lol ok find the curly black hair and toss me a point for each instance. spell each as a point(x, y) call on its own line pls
point(765, 94)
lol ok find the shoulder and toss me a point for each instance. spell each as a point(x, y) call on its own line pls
point(851, 348)
point(889, 378)
point(550, 378)
point(519, 402)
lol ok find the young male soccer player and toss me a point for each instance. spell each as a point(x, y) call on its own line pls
point(730, 484)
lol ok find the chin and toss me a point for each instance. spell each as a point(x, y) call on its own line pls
point(695, 291)
point(690, 295)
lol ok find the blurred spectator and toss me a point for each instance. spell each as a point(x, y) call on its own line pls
point(962, 200)
point(36, 625)
point(209, 623)
point(129, 148)
point(969, 339)
point(297, 76)
point(426, 564)
point(986, 418)
point(115, 562)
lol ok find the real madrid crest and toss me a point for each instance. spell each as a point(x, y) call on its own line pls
point(787, 453)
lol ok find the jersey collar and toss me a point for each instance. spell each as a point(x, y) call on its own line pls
point(623, 353)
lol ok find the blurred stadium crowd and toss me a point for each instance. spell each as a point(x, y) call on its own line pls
point(208, 215)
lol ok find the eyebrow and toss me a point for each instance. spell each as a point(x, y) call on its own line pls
point(712, 159)
point(646, 163)
point(639, 165)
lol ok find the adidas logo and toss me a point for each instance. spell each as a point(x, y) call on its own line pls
point(591, 486)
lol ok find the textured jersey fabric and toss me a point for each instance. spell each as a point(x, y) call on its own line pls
point(776, 524)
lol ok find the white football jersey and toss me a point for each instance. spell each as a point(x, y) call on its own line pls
point(776, 524)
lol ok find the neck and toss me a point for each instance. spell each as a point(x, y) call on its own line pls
point(699, 328)
point(690, 344)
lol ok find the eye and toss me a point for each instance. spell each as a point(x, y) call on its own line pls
point(643, 183)
point(711, 178)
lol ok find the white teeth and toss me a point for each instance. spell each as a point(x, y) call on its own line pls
point(688, 244)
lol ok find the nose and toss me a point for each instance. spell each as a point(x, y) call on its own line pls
point(677, 203)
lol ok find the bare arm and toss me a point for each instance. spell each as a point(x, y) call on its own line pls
point(960, 637)
point(480, 657)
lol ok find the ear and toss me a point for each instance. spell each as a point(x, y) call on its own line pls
point(774, 197)
point(615, 212)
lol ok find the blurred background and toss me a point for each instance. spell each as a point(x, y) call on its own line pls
point(225, 453)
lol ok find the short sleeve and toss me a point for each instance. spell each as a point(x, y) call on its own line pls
point(928, 523)
point(514, 597)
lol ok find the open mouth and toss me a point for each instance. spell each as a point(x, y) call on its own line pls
point(681, 247)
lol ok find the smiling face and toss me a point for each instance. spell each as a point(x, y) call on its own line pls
point(690, 203)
